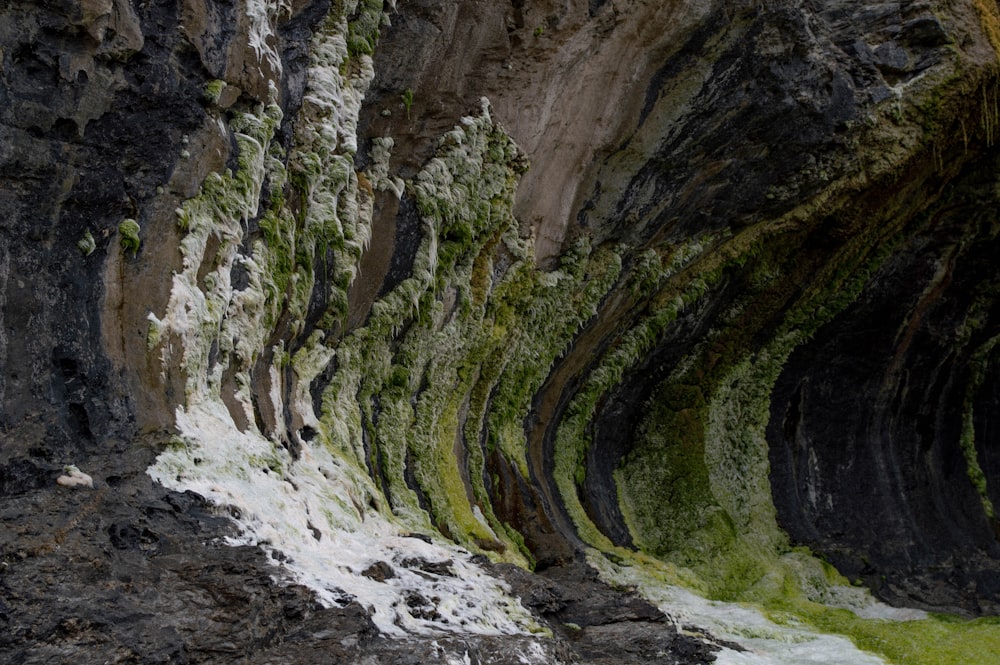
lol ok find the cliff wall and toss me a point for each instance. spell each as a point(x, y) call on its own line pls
point(389, 296)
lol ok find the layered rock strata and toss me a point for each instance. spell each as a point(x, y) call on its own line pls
point(385, 289)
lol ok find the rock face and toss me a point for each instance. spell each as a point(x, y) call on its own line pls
point(380, 292)
point(902, 500)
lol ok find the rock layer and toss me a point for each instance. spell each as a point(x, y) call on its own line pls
point(920, 320)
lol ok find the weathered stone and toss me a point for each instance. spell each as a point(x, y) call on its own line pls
point(379, 571)
point(796, 152)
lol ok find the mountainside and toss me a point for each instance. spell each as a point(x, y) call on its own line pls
point(412, 332)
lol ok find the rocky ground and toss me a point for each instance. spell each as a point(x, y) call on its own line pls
point(127, 572)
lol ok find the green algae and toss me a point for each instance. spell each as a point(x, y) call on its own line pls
point(694, 487)
point(225, 201)
point(363, 30)
point(86, 244)
point(805, 595)
point(443, 371)
point(936, 640)
point(213, 90)
point(255, 240)
point(978, 366)
point(412, 357)
point(128, 236)
point(572, 439)
point(407, 99)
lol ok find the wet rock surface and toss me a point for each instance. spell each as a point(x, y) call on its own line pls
point(602, 624)
point(129, 573)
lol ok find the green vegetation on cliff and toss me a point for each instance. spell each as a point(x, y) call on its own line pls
point(431, 391)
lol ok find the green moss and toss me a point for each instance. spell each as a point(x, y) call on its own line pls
point(407, 98)
point(572, 438)
point(405, 377)
point(694, 488)
point(363, 31)
point(128, 236)
point(538, 315)
point(674, 460)
point(213, 90)
point(451, 357)
point(937, 640)
point(978, 366)
point(86, 244)
point(989, 17)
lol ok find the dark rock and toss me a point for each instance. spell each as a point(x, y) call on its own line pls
point(442, 568)
point(918, 533)
point(421, 607)
point(379, 571)
point(891, 58)
point(127, 536)
point(20, 475)
point(419, 536)
point(603, 625)
point(925, 31)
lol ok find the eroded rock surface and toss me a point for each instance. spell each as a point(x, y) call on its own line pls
point(697, 281)
point(902, 501)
